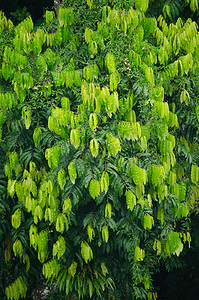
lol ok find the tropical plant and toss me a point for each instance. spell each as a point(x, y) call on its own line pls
point(99, 148)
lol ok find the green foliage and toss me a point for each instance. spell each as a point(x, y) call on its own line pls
point(99, 148)
point(19, 15)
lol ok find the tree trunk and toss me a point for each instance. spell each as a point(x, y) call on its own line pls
point(56, 6)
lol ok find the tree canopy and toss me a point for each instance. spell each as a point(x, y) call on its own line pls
point(99, 173)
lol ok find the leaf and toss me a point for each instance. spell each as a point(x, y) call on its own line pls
point(149, 25)
point(141, 5)
point(66, 16)
point(17, 248)
point(26, 116)
point(149, 75)
point(94, 188)
point(94, 147)
point(16, 219)
point(104, 182)
point(91, 232)
point(160, 215)
point(88, 35)
point(138, 174)
point(139, 254)
point(167, 11)
point(175, 243)
point(37, 136)
point(194, 174)
point(104, 269)
point(138, 37)
point(108, 210)
point(86, 251)
point(61, 223)
point(130, 200)
point(157, 246)
point(93, 121)
point(143, 143)
point(75, 137)
point(90, 287)
point(38, 214)
point(113, 144)
point(92, 49)
point(114, 81)
point(194, 5)
point(50, 15)
point(148, 221)
point(67, 206)
point(62, 178)
point(72, 269)
point(26, 260)
point(11, 187)
point(105, 233)
point(72, 171)
point(110, 63)
point(157, 174)
point(184, 97)
point(53, 156)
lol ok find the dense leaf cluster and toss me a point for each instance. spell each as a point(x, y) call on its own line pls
point(99, 148)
